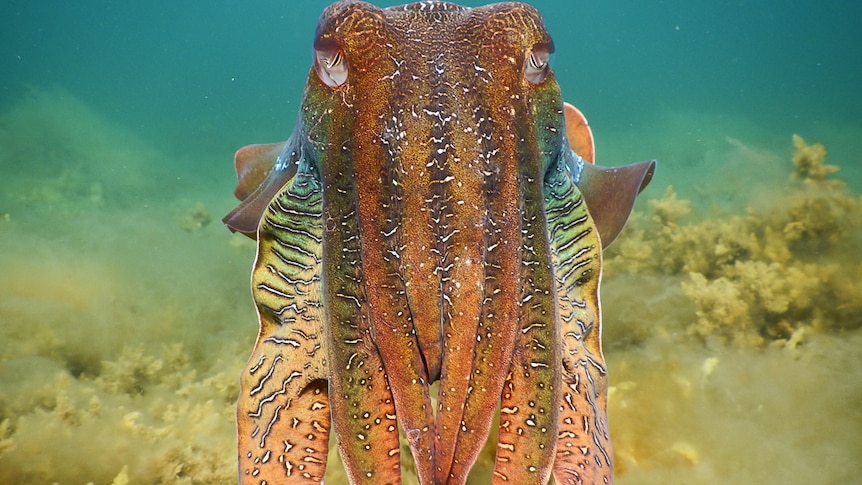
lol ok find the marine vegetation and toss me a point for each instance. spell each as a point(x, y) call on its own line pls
point(766, 276)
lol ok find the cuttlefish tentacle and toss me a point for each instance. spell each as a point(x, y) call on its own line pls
point(477, 154)
point(529, 407)
point(363, 408)
point(368, 177)
point(529, 403)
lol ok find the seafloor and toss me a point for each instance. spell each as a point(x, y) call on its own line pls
point(732, 302)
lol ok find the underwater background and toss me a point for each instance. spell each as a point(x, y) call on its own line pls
point(732, 301)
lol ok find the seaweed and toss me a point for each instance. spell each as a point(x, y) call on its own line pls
point(758, 278)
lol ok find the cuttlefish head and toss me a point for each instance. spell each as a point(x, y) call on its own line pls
point(263, 169)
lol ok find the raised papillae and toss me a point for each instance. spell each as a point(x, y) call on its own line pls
point(435, 216)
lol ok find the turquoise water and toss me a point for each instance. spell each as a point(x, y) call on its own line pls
point(125, 313)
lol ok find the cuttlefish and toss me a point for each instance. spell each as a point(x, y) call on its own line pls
point(435, 216)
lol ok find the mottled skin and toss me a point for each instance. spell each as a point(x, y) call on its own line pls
point(424, 222)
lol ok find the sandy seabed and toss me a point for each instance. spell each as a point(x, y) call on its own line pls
point(732, 330)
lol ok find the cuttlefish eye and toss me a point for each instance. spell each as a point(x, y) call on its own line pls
point(330, 66)
point(536, 64)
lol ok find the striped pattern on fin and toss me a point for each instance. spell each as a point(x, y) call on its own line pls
point(283, 414)
point(584, 454)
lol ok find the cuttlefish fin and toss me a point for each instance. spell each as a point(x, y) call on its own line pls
point(261, 172)
point(610, 194)
point(609, 191)
point(579, 133)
